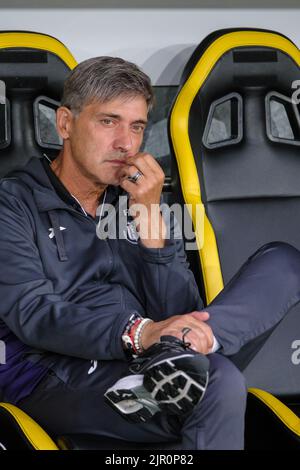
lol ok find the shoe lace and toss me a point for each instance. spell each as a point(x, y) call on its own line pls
point(166, 343)
point(172, 341)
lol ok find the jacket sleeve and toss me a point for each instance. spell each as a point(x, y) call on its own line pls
point(31, 308)
point(169, 284)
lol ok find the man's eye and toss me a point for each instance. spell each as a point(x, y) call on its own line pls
point(138, 128)
point(107, 122)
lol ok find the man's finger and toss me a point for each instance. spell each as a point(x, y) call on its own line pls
point(141, 163)
point(152, 162)
point(200, 315)
point(199, 340)
point(128, 185)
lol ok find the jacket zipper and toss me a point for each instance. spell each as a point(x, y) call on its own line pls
point(87, 218)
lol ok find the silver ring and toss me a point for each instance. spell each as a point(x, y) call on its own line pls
point(134, 178)
point(185, 331)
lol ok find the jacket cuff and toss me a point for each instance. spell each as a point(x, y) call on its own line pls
point(158, 255)
point(116, 343)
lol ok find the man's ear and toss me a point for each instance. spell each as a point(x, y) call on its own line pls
point(64, 121)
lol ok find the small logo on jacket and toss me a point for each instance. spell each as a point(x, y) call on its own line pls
point(131, 234)
point(93, 367)
point(51, 230)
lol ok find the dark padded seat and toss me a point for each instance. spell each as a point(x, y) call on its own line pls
point(33, 67)
point(251, 189)
point(249, 185)
point(235, 135)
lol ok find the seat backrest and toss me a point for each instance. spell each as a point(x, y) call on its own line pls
point(235, 133)
point(33, 68)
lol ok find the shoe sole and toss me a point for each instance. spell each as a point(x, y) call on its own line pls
point(166, 386)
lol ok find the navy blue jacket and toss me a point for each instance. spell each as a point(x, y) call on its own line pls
point(65, 292)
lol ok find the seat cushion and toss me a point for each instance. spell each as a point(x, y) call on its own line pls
point(92, 442)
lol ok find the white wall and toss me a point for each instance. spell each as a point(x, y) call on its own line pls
point(160, 41)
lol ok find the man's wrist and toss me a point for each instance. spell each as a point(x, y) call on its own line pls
point(137, 338)
point(215, 347)
point(127, 335)
point(132, 333)
point(152, 228)
point(149, 335)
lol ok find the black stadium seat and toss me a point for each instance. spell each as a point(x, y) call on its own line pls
point(33, 68)
point(235, 135)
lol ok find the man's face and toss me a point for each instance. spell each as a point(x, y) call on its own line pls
point(103, 135)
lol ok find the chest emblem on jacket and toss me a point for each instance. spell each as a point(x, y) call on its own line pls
point(51, 230)
point(132, 235)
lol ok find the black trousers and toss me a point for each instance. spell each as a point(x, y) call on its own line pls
point(242, 316)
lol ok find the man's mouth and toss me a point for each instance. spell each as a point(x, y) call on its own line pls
point(118, 162)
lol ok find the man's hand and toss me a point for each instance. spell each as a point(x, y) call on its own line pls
point(200, 336)
point(145, 196)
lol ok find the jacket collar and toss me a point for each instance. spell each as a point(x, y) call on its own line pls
point(48, 199)
point(49, 192)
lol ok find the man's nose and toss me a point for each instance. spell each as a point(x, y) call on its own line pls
point(123, 139)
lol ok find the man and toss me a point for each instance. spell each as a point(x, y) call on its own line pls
point(98, 325)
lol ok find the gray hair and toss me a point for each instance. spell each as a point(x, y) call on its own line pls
point(103, 79)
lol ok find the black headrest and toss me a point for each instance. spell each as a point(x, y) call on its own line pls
point(245, 80)
point(32, 65)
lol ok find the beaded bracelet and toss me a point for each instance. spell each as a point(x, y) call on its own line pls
point(127, 336)
point(132, 320)
point(137, 335)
